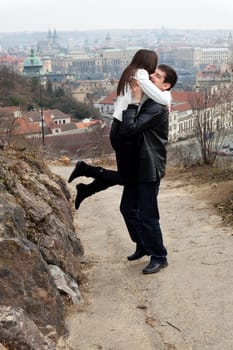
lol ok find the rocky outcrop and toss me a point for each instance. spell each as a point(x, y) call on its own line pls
point(38, 244)
point(18, 331)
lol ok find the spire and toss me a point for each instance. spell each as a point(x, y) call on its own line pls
point(108, 38)
point(54, 34)
point(49, 34)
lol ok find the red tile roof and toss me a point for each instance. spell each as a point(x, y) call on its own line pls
point(10, 59)
point(182, 100)
point(57, 114)
point(109, 100)
point(181, 107)
point(9, 110)
point(23, 127)
point(33, 116)
point(182, 96)
point(81, 125)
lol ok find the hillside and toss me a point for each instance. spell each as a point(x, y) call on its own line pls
point(27, 92)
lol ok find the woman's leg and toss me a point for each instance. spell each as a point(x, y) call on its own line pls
point(86, 190)
point(111, 177)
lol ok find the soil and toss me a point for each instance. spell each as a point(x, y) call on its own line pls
point(186, 306)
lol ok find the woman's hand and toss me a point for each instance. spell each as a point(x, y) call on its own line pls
point(136, 91)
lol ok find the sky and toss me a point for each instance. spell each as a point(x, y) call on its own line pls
point(65, 15)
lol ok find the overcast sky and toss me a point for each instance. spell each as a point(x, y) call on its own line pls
point(40, 15)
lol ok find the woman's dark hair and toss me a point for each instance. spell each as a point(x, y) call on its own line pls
point(144, 59)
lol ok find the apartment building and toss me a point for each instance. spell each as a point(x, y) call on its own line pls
point(92, 90)
point(107, 63)
point(215, 55)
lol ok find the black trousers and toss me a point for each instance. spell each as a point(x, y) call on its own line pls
point(139, 207)
point(126, 154)
point(126, 158)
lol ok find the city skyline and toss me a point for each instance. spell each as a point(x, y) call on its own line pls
point(24, 15)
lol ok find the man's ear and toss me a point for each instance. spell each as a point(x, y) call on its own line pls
point(166, 86)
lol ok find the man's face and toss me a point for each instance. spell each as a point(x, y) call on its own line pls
point(158, 78)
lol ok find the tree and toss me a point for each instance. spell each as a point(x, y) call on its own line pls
point(83, 110)
point(7, 127)
point(25, 91)
point(16, 100)
point(210, 116)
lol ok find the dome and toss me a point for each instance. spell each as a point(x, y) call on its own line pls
point(32, 61)
point(32, 66)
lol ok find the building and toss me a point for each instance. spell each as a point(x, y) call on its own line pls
point(91, 90)
point(105, 63)
point(32, 66)
point(184, 57)
point(205, 55)
point(47, 64)
point(12, 62)
point(106, 105)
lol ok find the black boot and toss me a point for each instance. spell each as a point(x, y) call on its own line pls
point(110, 177)
point(84, 191)
point(84, 169)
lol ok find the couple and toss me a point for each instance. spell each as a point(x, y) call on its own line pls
point(139, 136)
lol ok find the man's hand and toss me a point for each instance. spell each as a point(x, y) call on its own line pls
point(136, 91)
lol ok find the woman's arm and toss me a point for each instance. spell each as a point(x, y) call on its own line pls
point(152, 91)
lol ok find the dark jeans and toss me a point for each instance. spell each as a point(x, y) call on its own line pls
point(139, 207)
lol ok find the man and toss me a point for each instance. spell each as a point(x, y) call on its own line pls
point(139, 205)
point(146, 133)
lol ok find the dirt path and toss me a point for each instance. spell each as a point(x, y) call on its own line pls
point(188, 305)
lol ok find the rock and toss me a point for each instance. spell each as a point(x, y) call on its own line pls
point(12, 222)
point(17, 331)
point(26, 282)
point(66, 284)
point(38, 208)
point(2, 347)
point(62, 345)
point(36, 230)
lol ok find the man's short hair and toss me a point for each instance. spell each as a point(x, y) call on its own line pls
point(171, 75)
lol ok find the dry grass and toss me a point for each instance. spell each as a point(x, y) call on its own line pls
point(213, 184)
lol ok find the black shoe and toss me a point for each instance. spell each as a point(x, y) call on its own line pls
point(138, 254)
point(79, 170)
point(154, 266)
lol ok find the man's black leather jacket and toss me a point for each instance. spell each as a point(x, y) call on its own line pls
point(150, 126)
